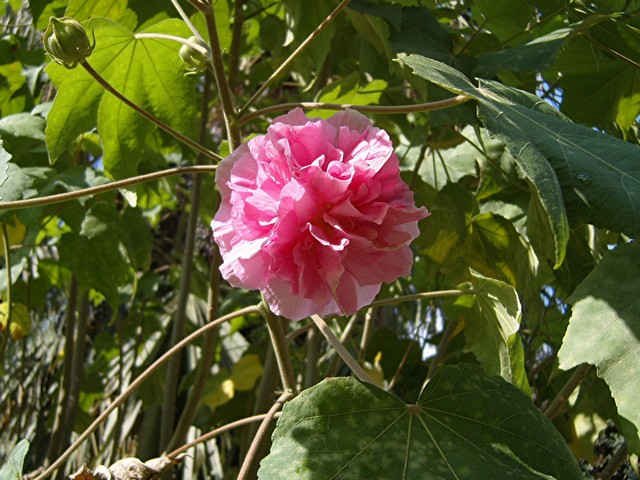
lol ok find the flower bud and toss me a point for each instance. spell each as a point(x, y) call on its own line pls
point(66, 40)
point(195, 59)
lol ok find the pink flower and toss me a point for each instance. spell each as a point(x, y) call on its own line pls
point(315, 215)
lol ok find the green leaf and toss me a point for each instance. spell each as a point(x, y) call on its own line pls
point(505, 18)
point(97, 262)
point(83, 9)
point(147, 71)
point(599, 175)
point(595, 65)
point(444, 166)
point(350, 90)
point(5, 158)
point(534, 56)
point(22, 125)
point(492, 330)
point(128, 226)
point(604, 329)
point(12, 469)
point(465, 426)
point(304, 18)
point(137, 238)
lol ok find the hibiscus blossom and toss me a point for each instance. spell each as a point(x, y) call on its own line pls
point(314, 214)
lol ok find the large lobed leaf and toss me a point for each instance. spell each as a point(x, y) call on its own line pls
point(464, 426)
point(147, 71)
point(597, 175)
point(604, 329)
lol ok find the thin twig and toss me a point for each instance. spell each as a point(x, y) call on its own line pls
point(250, 458)
point(376, 109)
point(175, 38)
point(334, 367)
point(420, 296)
point(447, 335)
point(224, 90)
point(236, 42)
point(167, 438)
point(280, 348)
point(7, 265)
point(175, 454)
point(289, 60)
point(107, 187)
point(351, 362)
point(206, 359)
point(557, 404)
point(187, 20)
point(401, 365)
point(366, 334)
point(56, 442)
point(152, 118)
point(140, 379)
point(179, 323)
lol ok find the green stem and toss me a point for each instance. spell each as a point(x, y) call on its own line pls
point(152, 118)
point(208, 349)
point(280, 348)
point(174, 38)
point(420, 296)
point(224, 91)
point(187, 20)
point(177, 332)
point(175, 454)
point(447, 335)
point(204, 368)
point(107, 187)
point(150, 370)
point(7, 266)
point(376, 109)
point(252, 454)
point(167, 432)
point(287, 63)
point(344, 354)
point(236, 41)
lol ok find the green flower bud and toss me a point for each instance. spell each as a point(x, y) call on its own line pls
point(66, 40)
point(195, 59)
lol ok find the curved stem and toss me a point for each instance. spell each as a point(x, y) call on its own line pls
point(420, 296)
point(7, 266)
point(377, 109)
point(139, 380)
point(152, 118)
point(186, 19)
point(250, 458)
point(287, 63)
point(214, 433)
point(344, 354)
point(175, 38)
point(107, 187)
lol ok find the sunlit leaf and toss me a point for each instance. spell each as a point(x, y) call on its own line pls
point(464, 426)
point(147, 71)
point(12, 469)
point(605, 324)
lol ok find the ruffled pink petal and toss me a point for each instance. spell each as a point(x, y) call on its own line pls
point(315, 215)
